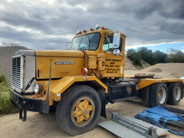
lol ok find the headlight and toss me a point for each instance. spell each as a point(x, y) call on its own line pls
point(38, 88)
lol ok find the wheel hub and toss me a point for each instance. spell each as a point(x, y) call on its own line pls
point(82, 111)
point(177, 93)
point(161, 95)
point(85, 112)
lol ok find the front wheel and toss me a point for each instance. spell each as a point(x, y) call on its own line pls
point(158, 94)
point(78, 110)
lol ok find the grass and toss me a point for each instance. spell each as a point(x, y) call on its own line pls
point(2, 79)
point(6, 106)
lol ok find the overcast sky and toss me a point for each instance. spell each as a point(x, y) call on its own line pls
point(40, 24)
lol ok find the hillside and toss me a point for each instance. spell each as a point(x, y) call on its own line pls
point(6, 54)
point(129, 65)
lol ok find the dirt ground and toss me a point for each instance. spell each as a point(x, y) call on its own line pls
point(172, 69)
point(43, 125)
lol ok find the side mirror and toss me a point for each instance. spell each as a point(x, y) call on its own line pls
point(116, 40)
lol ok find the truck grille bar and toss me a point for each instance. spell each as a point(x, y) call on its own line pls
point(17, 73)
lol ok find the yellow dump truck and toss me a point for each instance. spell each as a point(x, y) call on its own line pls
point(78, 83)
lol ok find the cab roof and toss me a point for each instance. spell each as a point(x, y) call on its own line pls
point(98, 29)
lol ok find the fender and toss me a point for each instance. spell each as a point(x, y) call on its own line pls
point(58, 87)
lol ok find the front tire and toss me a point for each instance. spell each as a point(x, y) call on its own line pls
point(158, 94)
point(175, 93)
point(78, 110)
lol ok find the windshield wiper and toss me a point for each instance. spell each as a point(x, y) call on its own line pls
point(107, 40)
point(88, 42)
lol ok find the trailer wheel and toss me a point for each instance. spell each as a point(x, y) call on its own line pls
point(158, 94)
point(145, 96)
point(175, 93)
point(78, 110)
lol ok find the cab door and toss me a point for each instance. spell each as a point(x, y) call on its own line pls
point(114, 64)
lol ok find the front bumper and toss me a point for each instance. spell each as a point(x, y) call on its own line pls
point(28, 104)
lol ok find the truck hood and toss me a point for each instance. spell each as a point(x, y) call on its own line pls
point(58, 53)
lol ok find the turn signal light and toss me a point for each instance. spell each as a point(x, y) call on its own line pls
point(84, 71)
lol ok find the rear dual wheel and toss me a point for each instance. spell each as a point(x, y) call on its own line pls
point(145, 96)
point(175, 93)
point(154, 95)
point(78, 110)
point(158, 94)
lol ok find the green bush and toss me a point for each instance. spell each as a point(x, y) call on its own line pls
point(4, 87)
point(143, 53)
point(5, 104)
point(2, 79)
point(147, 55)
point(135, 57)
point(160, 56)
point(175, 56)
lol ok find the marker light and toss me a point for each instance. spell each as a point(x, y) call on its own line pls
point(38, 88)
point(84, 71)
point(91, 29)
point(102, 27)
point(84, 31)
point(58, 97)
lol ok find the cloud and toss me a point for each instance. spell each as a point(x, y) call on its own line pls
point(52, 23)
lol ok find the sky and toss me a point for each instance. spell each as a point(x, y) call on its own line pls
point(43, 24)
point(164, 47)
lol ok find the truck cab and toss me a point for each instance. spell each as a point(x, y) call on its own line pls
point(101, 51)
point(78, 83)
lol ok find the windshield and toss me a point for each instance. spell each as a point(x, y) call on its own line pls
point(86, 42)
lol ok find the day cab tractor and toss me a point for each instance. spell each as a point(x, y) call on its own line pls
point(78, 83)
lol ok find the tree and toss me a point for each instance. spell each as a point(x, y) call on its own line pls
point(134, 56)
point(175, 56)
point(160, 56)
point(147, 55)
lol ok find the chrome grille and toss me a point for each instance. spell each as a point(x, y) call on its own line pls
point(17, 73)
